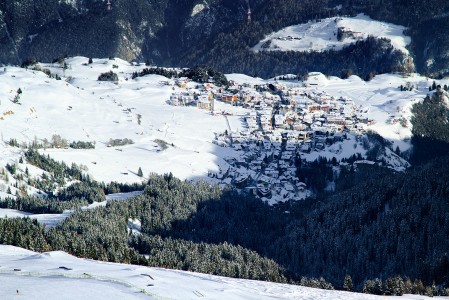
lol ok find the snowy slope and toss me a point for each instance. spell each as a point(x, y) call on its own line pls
point(381, 100)
point(87, 110)
point(320, 36)
point(23, 273)
point(80, 108)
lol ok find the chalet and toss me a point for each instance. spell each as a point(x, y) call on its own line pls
point(313, 107)
point(230, 98)
point(266, 145)
point(187, 98)
point(336, 120)
point(272, 172)
point(203, 102)
point(182, 82)
point(335, 127)
point(263, 190)
point(252, 190)
point(301, 186)
point(305, 148)
point(298, 126)
point(290, 147)
point(325, 108)
point(175, 100)
point(241, 180)
point(286, 155)
point(303, 135)
point(279, 121)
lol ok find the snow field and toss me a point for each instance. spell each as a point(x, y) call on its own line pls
point(67, 277)
point(322, 35)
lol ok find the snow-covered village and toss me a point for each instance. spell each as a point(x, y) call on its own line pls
point(285, 124)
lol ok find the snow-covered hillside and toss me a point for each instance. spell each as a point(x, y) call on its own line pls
point(380, 99)
point(323, 35)
point(24, 273)
point(166, 138)
point(54, 219)
point(84, 109)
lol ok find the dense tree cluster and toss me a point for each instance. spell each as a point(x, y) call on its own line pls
point(41, 205)
point(364, 58)
point(108, 76)
point(82, 145)
point(430, 127)
point(169, 73)
point(204, 74)
point(59, 171)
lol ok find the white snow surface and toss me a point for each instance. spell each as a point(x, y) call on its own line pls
point(320, 36)
point(84, 109)
point(24, 273)
point(80, 108)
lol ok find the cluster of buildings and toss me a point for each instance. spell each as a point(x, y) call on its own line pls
point(282, 124)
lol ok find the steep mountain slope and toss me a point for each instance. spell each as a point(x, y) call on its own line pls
point(175, 32)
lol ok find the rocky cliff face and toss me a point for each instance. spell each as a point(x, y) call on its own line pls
point(132, 29)
point(46, 29)
point(184, 32)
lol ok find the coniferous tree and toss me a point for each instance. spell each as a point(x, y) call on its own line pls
point(347, 284)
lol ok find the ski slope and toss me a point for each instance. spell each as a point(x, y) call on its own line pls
point(23, 274)
point(322, 35)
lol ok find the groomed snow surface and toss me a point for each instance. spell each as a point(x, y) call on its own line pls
point(57, 275)
point(322, 35)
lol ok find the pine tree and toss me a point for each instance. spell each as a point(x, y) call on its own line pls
point(347, 284)
point(139, 172)
point(377, 288)
point(394, 286)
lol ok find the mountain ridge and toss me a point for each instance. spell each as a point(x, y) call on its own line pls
point(173, 32)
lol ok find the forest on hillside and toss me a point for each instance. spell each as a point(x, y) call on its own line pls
point(374, 231)
point(425, 20)
point(168, 33)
